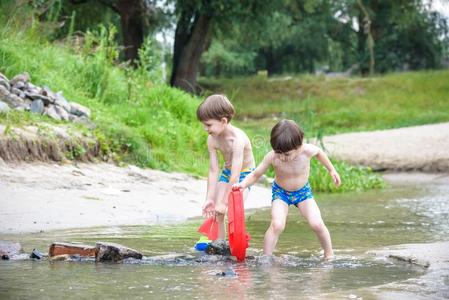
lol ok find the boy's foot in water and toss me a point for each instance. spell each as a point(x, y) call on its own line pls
point(266, 260)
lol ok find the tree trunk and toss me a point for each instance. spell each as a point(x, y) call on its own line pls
point(191, 40)
point(271, 61)
point(132, 24)
point(361, 46)
point(368, 32)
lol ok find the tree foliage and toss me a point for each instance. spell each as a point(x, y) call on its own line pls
point(239, 37)
point(310, 35)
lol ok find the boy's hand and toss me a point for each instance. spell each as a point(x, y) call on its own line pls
point(335, 178)
point(208, 209)
point(238, 186)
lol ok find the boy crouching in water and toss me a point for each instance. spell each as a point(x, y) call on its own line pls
point(216, 113)
point(290, 159)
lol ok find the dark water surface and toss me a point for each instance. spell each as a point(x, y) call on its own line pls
point(358, 222)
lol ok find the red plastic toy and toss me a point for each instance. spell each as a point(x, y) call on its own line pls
point(238, 237)
point(209, 228)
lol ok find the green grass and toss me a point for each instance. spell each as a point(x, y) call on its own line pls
point(335, 105)
point(139, 120)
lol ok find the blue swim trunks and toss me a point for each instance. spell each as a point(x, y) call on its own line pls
point(226, 174)
point(294, 197)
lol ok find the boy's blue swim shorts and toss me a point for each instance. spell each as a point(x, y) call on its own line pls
point(226, 174)
point(291, 197)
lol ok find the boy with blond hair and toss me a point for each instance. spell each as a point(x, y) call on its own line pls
point(216, 113)
point(290, 159)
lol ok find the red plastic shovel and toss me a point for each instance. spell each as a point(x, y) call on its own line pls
point(238, 237)
point(209, 228)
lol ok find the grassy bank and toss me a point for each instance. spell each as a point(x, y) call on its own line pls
point(139, 119)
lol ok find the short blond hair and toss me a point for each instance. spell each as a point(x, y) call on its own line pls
point(215, 107)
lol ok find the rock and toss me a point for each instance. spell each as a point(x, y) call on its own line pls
point(47, 92)
point(4, 93)
point(5, 84)
point(36, 254)
point(61, 101)
point(4, 107)
point(218, 248)
point(20, 94)
point(79, 110)
point(16, 91)
point(9, 249)
point(113, 252)
point(11, 99)
point(27, 104)
point(37, 106)
point(51, 112)
point(2, 76)
point(33, 96)
point(20, 85)
point(24, 77)
point(170, 258)
point(411, 259)
point(58, 249)
point(61, 112)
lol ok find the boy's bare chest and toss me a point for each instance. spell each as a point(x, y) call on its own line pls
point(295, 166)
point(225, 147)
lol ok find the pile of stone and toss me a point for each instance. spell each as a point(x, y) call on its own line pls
point(20, 94)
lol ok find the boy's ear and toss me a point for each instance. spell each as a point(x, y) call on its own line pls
point(224, 120)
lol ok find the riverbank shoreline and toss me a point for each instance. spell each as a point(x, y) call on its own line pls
point(43, 197)
point(40, 197)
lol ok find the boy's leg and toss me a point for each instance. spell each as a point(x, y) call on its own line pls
point(221, 204)
point(309, 209)
point(279, 211)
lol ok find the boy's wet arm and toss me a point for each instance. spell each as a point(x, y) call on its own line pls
point(324, 159)
point(259, 171)
point(213, 172)
point(237, 161)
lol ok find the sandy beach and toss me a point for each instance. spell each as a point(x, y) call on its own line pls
point(417, 148)
point(40, 197)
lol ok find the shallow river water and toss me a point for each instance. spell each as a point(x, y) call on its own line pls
point(358, 222)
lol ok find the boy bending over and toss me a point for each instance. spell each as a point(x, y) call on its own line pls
point(290, 159)
point(216, 113)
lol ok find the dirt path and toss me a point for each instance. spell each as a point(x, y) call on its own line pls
point(419, 148)
point(35, 197)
